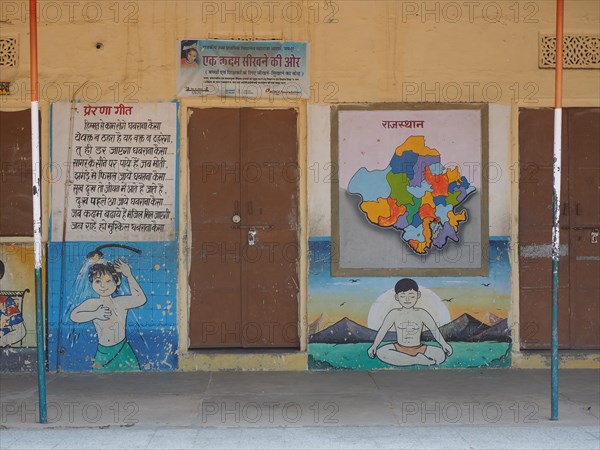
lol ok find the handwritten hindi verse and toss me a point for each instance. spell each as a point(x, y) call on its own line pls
point(122, 173)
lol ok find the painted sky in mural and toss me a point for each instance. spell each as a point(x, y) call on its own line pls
point(352, 297)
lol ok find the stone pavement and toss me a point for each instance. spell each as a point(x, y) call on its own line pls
point(491, 408)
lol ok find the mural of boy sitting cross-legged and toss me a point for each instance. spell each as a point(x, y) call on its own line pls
point(408, 323)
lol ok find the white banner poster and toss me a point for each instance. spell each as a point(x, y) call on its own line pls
point(254, 69)
point(118, 166)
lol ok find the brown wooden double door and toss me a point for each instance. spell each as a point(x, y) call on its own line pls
point(579, 270)
point(244, 209)
point(16, 196)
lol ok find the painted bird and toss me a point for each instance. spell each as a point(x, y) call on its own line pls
point(342, 304)
point(449, 300)
point(485, 284)
point(354, 280)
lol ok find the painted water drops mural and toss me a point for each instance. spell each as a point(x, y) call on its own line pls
point(108, 309)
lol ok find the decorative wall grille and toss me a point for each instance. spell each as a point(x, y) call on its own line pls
point(580, 51)
point(8, 52)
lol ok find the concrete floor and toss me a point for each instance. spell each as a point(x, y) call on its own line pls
point(384, 409)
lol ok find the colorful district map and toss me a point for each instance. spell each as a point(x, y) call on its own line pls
point(414, 194)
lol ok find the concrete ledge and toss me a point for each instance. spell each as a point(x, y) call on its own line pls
point(567, 359)
point(217, 360)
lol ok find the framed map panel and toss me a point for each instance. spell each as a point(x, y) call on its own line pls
point(411, 196)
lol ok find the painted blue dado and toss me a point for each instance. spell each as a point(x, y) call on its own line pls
point(151, 329)
point(476, 309)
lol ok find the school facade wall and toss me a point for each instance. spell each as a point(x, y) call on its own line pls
point(359, 52)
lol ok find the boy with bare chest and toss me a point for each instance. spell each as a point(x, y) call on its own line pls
point(408, 322)
point(108, 313)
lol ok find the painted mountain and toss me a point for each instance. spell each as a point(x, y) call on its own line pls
point(465, 328)
point(320, 323)
point(346, 331)
point(491, 318)
point(498, 332)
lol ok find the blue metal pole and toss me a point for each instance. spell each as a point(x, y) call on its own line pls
point(41, 354)
point(554, 358)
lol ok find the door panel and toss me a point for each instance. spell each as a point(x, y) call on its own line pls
point(215, 277)
point(16, 197)
point(535, 258)
point(584, 146)
point(271, 289)
point(535, 232)
point(535, 329)
point(585, 311)
point(270, 285)
point(249, 292)
point(579, 319)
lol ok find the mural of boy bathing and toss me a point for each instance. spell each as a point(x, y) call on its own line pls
point(108, 313)
point(409, 322)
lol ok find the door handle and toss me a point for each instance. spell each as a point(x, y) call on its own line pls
point(251, 237)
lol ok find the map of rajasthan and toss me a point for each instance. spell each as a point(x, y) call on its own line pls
point(414, 194)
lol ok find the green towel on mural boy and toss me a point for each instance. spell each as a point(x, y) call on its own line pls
point(119, 357)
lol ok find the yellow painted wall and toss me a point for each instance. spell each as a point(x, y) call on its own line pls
point(368, 50)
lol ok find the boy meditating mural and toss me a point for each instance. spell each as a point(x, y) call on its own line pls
point(409, 322)
point(108, 313)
